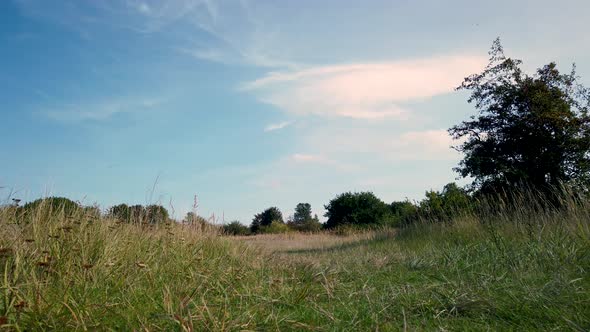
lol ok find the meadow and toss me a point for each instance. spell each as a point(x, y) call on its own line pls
point(523, 268)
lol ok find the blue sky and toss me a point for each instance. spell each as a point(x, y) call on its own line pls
point(251, 104)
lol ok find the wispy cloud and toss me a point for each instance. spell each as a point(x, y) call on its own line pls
point(363, 90)
point(98, 110)
point(415, 145)
point(277, 126)
point(309, 158)
point(210, 54)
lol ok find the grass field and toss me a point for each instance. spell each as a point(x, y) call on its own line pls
point(520, 271)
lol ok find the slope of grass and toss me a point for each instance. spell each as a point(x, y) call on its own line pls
point(519, 271)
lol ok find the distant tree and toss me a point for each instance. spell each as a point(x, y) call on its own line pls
point(53, 205)
point(156, 214)
point(92, 212)
point(302, 213)
point(255, 226)
point(120, 212)
point(456, 200)
point(190, 218)
point(235, 228)
point(359, 209)
point(531, 130)
point(403, 212)
point(265, 218)
point(451, 202)
point(137, 214)
point(303, 221)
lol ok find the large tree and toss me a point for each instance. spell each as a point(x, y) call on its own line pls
point(360, 209)
point(531, 130)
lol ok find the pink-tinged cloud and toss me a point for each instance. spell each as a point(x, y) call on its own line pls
point(308, 158)
point(365, 90)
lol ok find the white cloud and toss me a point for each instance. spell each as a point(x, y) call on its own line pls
point(363, 90)
point(277, 126)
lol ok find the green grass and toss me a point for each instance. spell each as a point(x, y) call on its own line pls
point(515, 271)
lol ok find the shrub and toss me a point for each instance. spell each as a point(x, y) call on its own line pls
point(359, 209)
point(265, 218)
point(275, 227)
point(236, 228)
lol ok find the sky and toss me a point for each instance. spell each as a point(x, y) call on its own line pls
point(252, 104)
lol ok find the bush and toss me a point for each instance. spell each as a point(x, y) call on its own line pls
point(265, 218)
point(403, 213)
point(275, 227)
point(359, 209)
point(236, 228)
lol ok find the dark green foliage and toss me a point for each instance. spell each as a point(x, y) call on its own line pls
point(120, 211)
point(403, 213)
point(156, 214)
point(139, 214)
point(265, 218)
point(236, 228)
point(303, 221)
point(302, 213)
point(530, 130)
point(53, 205)
point(451, 202)
point(359, 209)
point(190, 218)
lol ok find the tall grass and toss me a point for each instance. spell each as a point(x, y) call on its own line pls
point(74, 272)
point(518, 266)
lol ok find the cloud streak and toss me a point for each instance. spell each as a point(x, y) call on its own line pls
point(363, 90)
point(277, 126)
point(101, 110)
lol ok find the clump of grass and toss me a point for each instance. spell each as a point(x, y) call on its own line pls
point(70, 272)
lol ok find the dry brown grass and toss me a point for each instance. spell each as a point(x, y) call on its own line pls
point(293, 242)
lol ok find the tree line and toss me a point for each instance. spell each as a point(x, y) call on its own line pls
point(365, 210)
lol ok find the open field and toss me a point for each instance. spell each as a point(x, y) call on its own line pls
point(76, 273)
